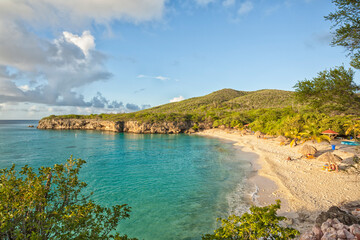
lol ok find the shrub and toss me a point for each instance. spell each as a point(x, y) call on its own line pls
point(260, 223)
point(49, 205)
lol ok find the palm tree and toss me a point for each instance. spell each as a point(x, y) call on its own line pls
point(352, 125)
point(295, 135)
point(312, 132)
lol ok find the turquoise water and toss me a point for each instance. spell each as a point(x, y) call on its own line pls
point(177, 185)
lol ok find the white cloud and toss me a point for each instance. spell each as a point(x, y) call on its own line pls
point(245, 7)
point(24, 88)
point(162, 78)
point(177, 99)
point(228, 3)
point(85, 42)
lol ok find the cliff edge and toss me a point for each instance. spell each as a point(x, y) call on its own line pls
point(120, 126)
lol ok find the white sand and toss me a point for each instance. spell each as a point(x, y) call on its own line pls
point(304, 188)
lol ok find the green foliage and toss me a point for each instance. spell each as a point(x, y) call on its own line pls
point(352, 126)
point(195, 127)
point(268, 98)
point(331, 90)
point(49, 205)
point(260, 223)
point(346, 20)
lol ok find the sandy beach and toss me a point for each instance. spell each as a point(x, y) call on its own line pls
point(304, 188)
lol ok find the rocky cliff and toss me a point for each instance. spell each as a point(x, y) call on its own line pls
point(81, 124)
point(119, 126)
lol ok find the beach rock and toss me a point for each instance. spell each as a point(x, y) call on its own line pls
point(340, 215)
point(317, 232)
point(355, 230)
point(325, 225)
point(356, 213)
point(338, 226)
point(344, 234)
point(190, 131)
point(308, 236)
point(341, 234)
point(329, 236)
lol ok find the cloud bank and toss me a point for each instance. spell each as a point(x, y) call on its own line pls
point(59, 67)
point(39, 69)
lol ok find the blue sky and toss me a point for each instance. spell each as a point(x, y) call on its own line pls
point(62, 57)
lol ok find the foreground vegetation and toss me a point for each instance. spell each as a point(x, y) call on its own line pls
point(49, 205)
point(259, 223)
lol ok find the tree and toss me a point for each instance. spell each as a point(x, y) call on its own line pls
point(352, 125)
point(49, 205)
point(332, 89)
point(346, 20)
point(260, 223)
point(312, 132)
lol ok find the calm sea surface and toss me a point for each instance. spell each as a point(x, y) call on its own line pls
point(177, 185)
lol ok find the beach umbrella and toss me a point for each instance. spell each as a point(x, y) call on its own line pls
point(329, 132)
point(329, 157)
point(281, 139)
point(307, 149)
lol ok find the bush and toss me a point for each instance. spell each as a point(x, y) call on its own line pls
point(49, 205)
point(260, 223)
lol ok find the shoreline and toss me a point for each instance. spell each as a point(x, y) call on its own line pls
point(303, 187)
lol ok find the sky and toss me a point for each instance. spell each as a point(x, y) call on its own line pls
point(111, 56)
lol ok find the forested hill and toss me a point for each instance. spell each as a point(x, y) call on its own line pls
point(217, 103)
point(229, 99)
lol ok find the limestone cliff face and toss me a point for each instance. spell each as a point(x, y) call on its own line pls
point(127, 126)
point(81, 124)
point(162, 127)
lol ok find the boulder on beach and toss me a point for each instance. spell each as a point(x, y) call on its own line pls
point(332, 229)
point(340, 215)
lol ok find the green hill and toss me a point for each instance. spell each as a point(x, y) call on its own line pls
point(267, 98)
point(214, 99)
point(218, 103)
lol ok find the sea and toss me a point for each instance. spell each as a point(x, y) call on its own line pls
point(176, 185)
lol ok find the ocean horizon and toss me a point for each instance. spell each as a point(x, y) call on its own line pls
point(176, 185)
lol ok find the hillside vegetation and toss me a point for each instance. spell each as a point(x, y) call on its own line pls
point(225, 100)
point(275, 112)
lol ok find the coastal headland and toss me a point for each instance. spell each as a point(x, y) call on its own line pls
point(120, 126)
